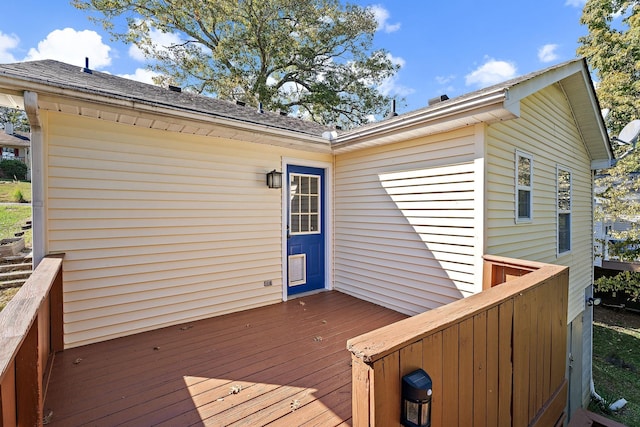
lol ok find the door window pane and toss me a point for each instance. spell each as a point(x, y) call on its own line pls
point(304, 204)
point(295, 223)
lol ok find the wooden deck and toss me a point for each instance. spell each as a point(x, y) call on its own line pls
point(284, 364)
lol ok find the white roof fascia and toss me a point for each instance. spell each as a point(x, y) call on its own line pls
point(521, 90)
point(375, 134)
point(599, 120)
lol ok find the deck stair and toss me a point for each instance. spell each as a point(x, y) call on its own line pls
point(15, 270)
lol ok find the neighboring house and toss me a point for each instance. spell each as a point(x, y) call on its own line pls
point(158, 199)
point(15, 145)
point(606, 234)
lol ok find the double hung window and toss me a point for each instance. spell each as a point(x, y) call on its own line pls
point(564, 209)
point(524, 187)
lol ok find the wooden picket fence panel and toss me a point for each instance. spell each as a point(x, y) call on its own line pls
point(497, 358)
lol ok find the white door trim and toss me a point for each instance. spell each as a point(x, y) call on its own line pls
point(328, 206)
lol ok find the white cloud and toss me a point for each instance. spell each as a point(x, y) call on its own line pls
point(444, 80)
point(547, 53)
point(391, 87)
point(575, 3)
point(141, 75)
point(382, 15)
point(7, 43)
point(397, 60)
point(72, 47)
point(491, 72)
point(160, 41)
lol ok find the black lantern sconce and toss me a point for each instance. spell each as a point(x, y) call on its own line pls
point(416, 399)
point(274, 179)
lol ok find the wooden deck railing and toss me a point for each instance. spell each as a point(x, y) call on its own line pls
point(495, 358)
point(30, 331)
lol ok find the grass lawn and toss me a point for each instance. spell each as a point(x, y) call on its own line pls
point(6, 295)
point(12, 217)
point(9, 187)
point(616, 362)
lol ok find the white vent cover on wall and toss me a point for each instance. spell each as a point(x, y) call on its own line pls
point(297, 269)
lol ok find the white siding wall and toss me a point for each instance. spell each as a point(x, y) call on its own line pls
point(547, 131)
point(159, 228)
point(405, 227)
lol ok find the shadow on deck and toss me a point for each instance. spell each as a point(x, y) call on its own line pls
point(285, 364)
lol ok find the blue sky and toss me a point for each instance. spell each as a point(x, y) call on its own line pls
point(445, 47)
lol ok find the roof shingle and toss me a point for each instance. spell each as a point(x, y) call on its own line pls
point(66, 76)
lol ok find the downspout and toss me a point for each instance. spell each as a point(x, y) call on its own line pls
point(37, 176)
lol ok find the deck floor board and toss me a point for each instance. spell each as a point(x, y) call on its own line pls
point(288, 361)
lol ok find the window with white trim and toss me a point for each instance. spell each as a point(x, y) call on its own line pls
point(305, 204)
point(524, 187)
point(564, 209)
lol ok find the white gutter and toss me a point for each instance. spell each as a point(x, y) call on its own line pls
point(37, 177)
point(423, 116)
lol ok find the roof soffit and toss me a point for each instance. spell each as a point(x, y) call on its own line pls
point(160, 118)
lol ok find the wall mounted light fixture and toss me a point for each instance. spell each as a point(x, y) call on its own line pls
point(274, 179)
point(416, 399)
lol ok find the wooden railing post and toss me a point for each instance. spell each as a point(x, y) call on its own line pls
point(56, 306)
point(361, 387)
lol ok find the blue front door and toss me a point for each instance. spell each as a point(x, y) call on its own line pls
point(305, 229)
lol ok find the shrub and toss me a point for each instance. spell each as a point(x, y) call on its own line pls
point(13, 169)
point(627, 282)
point(18, 197)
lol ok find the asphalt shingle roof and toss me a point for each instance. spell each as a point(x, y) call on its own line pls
point(505, 85)
point(17, 139)
point(66, 76)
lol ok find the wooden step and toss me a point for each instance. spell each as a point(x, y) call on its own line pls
point(15, 275)
point(17, 259)
point(12, 283)
point(5, 268)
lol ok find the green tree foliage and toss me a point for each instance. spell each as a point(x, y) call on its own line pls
point(16, 117)
point(311, 57)
point(612, 49)
point(627, 282)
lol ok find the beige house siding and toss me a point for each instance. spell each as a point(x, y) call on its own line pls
point(406, 227)
point(159, 228)
point(547, 131)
